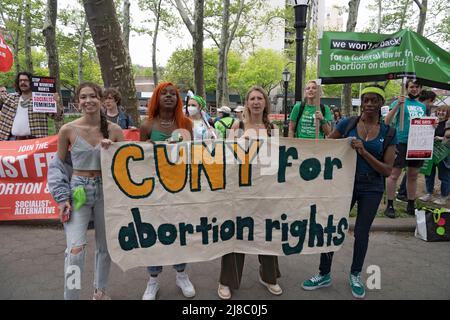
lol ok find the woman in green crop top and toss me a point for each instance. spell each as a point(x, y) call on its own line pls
point(166, 122)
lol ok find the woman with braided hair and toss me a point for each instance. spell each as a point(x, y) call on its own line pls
point(374, 143)
point(83, 195)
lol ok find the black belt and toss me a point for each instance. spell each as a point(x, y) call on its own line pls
point(22, 137)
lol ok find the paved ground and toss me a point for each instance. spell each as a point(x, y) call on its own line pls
point(31, 267)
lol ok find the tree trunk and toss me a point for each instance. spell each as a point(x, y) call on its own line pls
point(17, 41)
point(222, 55)
point(422, 16)
point(114, 59)
point(403, 17)
point(197, 45)
point(126, 24)
point(353, 7)
point(379, 15)
point(155, 37)
point(196, 31)
point(28, 56)
point(80, 51)
point(49, 32)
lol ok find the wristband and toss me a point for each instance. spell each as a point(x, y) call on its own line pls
point(322, 122)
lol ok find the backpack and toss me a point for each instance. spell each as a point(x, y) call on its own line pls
point(390, 133)
point(300, 112)
point(223, 123)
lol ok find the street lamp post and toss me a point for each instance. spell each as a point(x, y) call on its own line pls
point(301, 8)
point(286, 79)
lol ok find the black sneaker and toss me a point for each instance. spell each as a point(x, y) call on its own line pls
point(411, 210)
point(402, 197)
point(390, 212)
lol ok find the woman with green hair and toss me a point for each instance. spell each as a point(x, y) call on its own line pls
point(195, 111)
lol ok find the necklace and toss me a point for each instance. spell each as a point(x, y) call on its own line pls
point(166, 123)
point(368, 131)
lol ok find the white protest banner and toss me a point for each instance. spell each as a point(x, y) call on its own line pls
point(43, 89)
point(421, 139)
point(196, 201)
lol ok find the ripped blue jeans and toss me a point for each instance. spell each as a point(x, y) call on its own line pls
point(76, 237)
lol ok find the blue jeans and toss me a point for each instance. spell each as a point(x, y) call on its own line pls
point(155, 270)
point(367, 192)
point(443, 175)
point(76, 237)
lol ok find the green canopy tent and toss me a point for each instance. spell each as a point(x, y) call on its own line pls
point(352, 57)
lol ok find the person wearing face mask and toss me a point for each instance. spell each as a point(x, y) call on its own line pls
point(412, 109)
point(303, 116)
point(443, 114)
point(202, 129)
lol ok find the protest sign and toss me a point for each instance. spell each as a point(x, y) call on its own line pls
point(43, 89)
point(24, 192)
point(348, 57)
point(196, 201)
point(421, 139)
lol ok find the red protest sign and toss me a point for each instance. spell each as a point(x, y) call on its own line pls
point(6, 56)
point(23, 179)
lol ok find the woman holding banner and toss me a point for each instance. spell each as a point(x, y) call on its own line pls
point(374, 143)
point(83, 196)
point(256, 124)
point(166, 122)
point(304, 115)
point(443, 114)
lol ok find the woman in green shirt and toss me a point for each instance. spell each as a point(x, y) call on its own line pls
point(303, 116)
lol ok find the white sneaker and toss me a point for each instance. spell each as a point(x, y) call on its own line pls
point(440, 201)
point(185, 284)
point(152, 289)
point(426, 197)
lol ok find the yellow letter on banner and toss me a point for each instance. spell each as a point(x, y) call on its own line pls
point(212, 163)
point(121, 172)
point(173, 176)
point(245, 158)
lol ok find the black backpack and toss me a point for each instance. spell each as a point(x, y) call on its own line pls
point(302, 108)
point(390, 133)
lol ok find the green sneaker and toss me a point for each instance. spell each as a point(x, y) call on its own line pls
point(317, 282)
point(357, 286)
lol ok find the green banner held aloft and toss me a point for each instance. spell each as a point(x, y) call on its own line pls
point(362, 57)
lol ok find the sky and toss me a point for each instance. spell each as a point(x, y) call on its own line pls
point(140, 45)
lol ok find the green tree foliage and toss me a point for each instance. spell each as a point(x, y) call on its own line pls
point(263, 68)
point(180, 65)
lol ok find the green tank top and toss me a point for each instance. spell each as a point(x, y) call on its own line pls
point(157, 135)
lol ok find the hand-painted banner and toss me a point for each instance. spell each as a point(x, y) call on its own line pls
point(24, 192)
point(362, 57)
point(196, 201)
